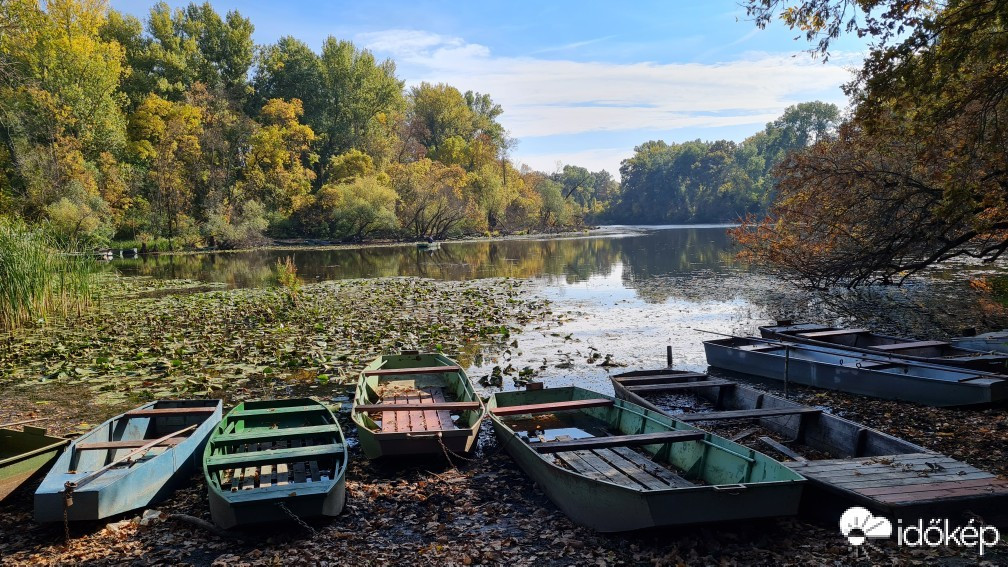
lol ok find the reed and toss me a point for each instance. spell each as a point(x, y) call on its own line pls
point(37, 280)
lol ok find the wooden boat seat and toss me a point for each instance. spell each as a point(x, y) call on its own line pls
point(760, 347)
point(416, 370)
point(553, 406)
point(746, 414)
point(619, 441)
point(425, 410)
point(658, 378)
point(272, 456)
point(832, 333)
point(278, 411)
point(258, 434)
point(274, 474)
point(913, 345)
point(166, 412)
point(130, 444)
point(681, 386)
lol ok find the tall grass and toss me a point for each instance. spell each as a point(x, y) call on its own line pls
point(37, 281)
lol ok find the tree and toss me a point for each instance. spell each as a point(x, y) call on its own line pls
point(922, 151)
point(438, 113)
point(432, 202)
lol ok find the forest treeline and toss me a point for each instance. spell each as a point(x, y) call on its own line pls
point(180, 127)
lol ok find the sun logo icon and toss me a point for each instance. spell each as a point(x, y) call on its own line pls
point(858, 524)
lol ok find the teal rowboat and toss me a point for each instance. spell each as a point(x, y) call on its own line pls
point(272, 459)
point(23, 453)
point(615, 466)
point(411, 403)
point(131, 461)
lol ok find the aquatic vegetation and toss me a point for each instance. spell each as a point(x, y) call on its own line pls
point(36, 280)
point(142, 343)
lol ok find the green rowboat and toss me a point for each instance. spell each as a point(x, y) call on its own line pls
point(22, 453)
point(411, 403)
point(615, 466)
point(269, 460)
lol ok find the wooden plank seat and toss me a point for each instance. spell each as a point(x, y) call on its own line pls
point(681, 386)
point(912, 345)
point(130, 444)
point(659, 378)
point(416, 370)
point(746, 414)
point(619, 441)
point(276, 474)
point(272, 456)
point(412, 406)
point(622, 466)
point(166, 412)
point(831, 333)
point(278, 411)
point(553, 406)
point(259, 434)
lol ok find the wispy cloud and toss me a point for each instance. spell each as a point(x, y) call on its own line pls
point(555, 96)
point(573, 45)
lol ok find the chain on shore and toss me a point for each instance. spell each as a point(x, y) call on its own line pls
point(297, 519)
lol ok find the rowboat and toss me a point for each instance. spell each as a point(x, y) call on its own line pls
point(846, 463)
point(23, 453)
point(614, 466)
point(411, 403)
point(994, 341)
point(856, 372)
point(863, 340)
point(131, 461)
point(273, 460)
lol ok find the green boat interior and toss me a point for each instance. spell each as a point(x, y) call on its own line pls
point(625, 444)
point(415, 393)
point(264, 444)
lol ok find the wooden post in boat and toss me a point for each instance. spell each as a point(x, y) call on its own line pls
point(787, 360)
point(668, 355)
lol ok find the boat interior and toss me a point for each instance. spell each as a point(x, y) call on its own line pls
point(796, 431)
point(400, 398)
point(612, 441)
point(267, 444)
point(863, 338)
point(16, 444)
point(149, 428)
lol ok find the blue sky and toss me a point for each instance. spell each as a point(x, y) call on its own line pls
point(580, 82)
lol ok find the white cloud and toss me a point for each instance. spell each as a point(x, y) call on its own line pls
point(545, 97)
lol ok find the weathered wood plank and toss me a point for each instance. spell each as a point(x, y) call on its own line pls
point(832, 333)
point(652, 467)
point(131, 444)
point(654, 388)
point(416, 370)
point(782, 449)
point(910, 345)
point(631, 469)
point(259, 458)
point(945, 494)
point(405, 406)
point(265, 434)
point(266, 412)
point(553, 406)
point(746, 414)
point(166, 412)
point(444, 417)
point(620, 441)
point(574, 462)
point(927, 487)
point(613, 473)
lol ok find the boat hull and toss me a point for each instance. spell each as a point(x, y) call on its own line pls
point(858, 340)
point(835, 369)
point(763, 489)
point(30, 451)
point(376, 442)
point(259, 493)
point(123, 489)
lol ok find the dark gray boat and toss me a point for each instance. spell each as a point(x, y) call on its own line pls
point(846, 463)
point(857, 373)
point(863, 340)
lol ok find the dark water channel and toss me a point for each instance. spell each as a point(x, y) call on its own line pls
point(626, 292)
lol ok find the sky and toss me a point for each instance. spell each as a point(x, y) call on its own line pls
point(580, 82)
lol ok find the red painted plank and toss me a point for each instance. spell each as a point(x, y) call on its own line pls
point(405, 405)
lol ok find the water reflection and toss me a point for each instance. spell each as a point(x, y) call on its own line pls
point(645, 253)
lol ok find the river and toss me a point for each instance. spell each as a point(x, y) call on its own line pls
point(624, 291)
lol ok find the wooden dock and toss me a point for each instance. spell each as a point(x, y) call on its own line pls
point(908, 485)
